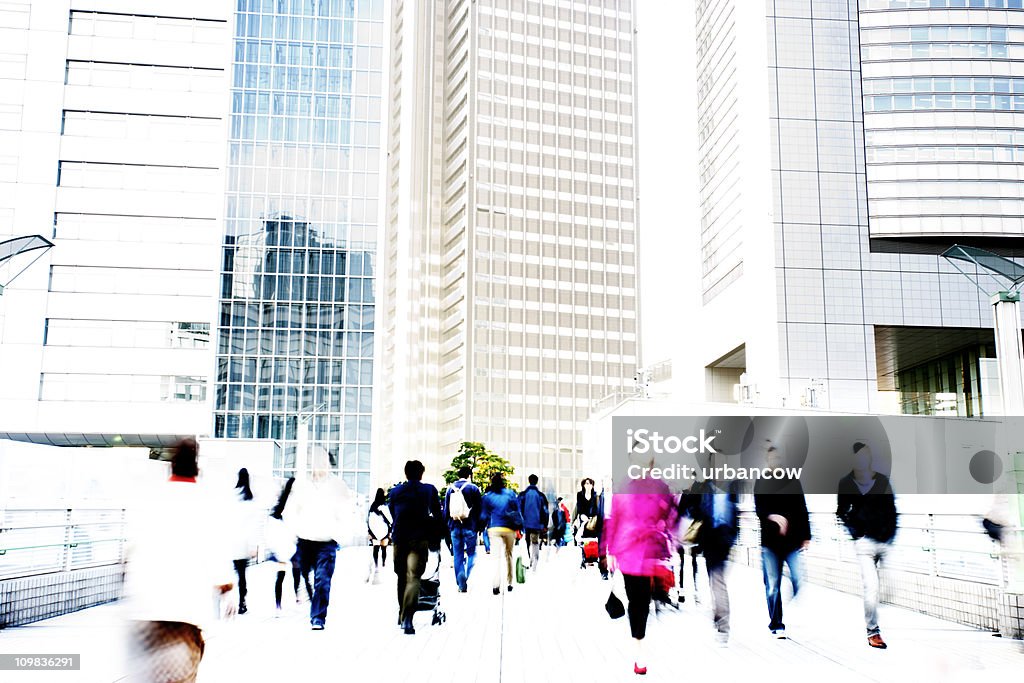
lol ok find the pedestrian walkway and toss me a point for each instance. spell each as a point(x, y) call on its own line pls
point(553, 628)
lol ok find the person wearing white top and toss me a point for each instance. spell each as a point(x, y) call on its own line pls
point(178, 574)
point(318, 511)
point(243, 516)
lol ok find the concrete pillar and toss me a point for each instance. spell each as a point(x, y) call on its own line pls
point(1011, 618)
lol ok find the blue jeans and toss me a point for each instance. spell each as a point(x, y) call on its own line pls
point(318, 556)
point(464, 553)
point(487, 541)
point(771, 566)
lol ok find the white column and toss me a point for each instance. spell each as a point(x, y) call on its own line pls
point(1009, 351)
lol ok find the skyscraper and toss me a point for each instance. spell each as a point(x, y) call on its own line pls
point(296, 328)
point(509, 290)
point(822, 270)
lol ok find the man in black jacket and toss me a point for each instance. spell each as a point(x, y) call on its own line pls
point(417, 529)
point(785, 532)
point(867, 507)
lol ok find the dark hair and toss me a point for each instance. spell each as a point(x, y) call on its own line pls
point(583, 482)
point(243, 483)
point(533, 479)
point(857, 447)
point(282, 500)
point(497, 481)
point(560, 499)
point(378, 499)
point(184, 460)
point(465, 472)
point(414, 470)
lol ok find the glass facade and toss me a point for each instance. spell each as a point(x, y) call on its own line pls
point(296, 330)
point(943, 106)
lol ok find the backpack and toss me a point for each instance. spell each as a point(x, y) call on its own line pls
point(458, 508)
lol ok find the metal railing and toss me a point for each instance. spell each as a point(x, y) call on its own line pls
point(943, 545)
point(34, 542)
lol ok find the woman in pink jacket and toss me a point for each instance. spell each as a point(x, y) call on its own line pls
point(638, 534)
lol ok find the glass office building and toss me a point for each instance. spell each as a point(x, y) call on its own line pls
point(295, 337)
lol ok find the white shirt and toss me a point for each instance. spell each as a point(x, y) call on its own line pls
point(319, 510)
point(177, 555)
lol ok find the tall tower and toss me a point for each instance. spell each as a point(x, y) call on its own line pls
point(509, 290)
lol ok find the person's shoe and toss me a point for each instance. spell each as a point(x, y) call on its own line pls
point(497, 591)
point(639, 670)
point(317, 626)
point(510, 588)
point(779, 633)
point(242, 609)
point(721, 639)
point(876, 641)
point(277, 612)
point(407, 628)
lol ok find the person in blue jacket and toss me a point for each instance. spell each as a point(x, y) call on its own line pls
point(534, 506)
point(501, 516)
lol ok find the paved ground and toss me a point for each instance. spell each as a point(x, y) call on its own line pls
point(553, 628)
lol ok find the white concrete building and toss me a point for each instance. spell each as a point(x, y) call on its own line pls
point(112, 144)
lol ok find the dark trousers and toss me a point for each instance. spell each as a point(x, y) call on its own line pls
point(318, 556)
point(243, 588)
point(638, 593)
point(410, 563)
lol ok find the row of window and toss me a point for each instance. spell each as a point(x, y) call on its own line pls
point(302, 158)
point(943, 84)
point(944, 136)
point(308, 29)
point(957, 208)
point(149, 229)
point(941, 4)
point(137, 334)
point(309, 79)
point(311, 8)
point(140, 127)
point(983, 154)
point(330, 374)
point(274, 254)
point(302, 340)
point(942, 51)
point(115, 280)
point(121, 388)
point(296, 288)
point(305, 130)
point(328, 211)
point(308, 55)
point(943, 34)
point(147, 28)
point(290, 182)
point(883, 103)
point(143, 77)
point(305, 104)
point(134, 177)
point(283, 426)
point(305, 316)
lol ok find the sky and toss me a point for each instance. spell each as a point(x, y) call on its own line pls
point(667, 142)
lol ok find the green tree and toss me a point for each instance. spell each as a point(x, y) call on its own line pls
point(484, 463)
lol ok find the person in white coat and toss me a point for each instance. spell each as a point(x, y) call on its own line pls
point(244, 515)
point(178, 579)
point(281, 544)
point(320, 512)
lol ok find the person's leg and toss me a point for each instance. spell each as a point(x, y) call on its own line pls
point(487, 541)
point(795, 562)
point(534, 548)
point(509, 538)
point(383, 555)
point(458, 558)
point(719, 595)
point(469, 547)
point(415, 565)
point(279, 587)
point(496, 540)
point(771, 568)
point(376, 555)
point(867, 559)
point(325, 559)
point(242, 587)
point(401, 558)
point(638, 594)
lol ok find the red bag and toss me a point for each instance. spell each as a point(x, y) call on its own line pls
point(590, 550)
point(664, 578)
